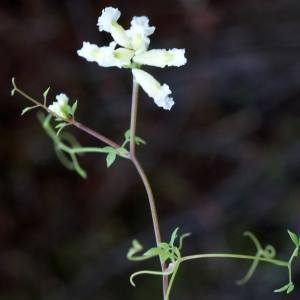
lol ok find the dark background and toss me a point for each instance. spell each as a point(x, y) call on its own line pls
point(225, 159)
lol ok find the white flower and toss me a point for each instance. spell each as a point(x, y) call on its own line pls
point(161, 58)
point(139, 32)
point(108, 22)
point(62, 99)
point(108, 18)
point(123, 56)
point(61, 106)
point(106, 56)
point(153, 88)
point(142, 48)
point(119, 35)
point(133, 52)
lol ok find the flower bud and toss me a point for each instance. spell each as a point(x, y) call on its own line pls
point(61, 106)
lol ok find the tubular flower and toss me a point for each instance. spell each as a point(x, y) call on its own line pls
point(106, 56)
point(102, 55)
point(133, 53)
point(153, 88)
point(61, 106)
point(139, 32)
point(108, 22)
point(161, 58)
point(123, 56)
point(108, 18)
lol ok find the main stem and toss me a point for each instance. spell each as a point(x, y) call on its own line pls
point(134, 107)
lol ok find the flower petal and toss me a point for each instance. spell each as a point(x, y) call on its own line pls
point(139, 32)
point(119, 35)
point(161, 58)
point(109, 16)
point(104, 56)
point(62, 99)
point(61, 106)
point(153, 88)
point(123, 55)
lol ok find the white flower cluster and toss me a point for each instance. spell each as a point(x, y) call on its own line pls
point(133, 53)
point(61, 106)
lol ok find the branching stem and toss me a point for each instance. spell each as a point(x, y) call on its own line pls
point(131, 155)
point(70, 121)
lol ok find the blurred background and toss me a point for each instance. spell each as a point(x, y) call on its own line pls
point(225, 159)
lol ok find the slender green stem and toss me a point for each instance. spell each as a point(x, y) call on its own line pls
point(177, 263)
point(221, 255)
point(134, 107)
point(290, 263)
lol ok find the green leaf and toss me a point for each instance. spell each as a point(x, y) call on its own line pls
point(69, 110)
point(173, 237)
point(111, 158)
point(25, 110)
point(164, 256)
point(164, 246)
point(294, 238)
point(46, 92)
point(108, 149)
point(60, 126)
point(127, 134)
point(137, 247)
point(138, 140)
point(181, 239)
point(282, 289)
point(74, 107)
point(122, 150)
point(153, 251)
point(291, 287)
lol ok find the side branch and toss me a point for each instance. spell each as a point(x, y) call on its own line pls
point(69, 121)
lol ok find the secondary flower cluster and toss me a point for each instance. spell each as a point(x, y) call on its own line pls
point(133, 53)
point(61, 106)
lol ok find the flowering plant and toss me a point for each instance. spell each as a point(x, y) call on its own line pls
point(132, 52)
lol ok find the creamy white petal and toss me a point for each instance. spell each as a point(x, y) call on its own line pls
point(161, 58)
point(154, 89)
point(62, 99)
point(102, 55)
point(140, 25)
point(90, 52)
point(108, 18)
point(119, 35)
point(60, 110)
point(123, 55)
point(165, 103)
point(139, 32)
